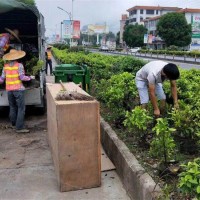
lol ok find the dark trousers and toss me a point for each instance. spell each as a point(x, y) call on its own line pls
point(17, 108)
point(49, 62)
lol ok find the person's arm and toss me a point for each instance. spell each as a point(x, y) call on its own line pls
point(174, 93)
point(22, 75)
point(2, 77)
point(3, 40)
point(154, 99)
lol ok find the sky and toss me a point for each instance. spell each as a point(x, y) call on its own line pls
point(97, 11)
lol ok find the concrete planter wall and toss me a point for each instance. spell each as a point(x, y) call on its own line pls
point(138, 184)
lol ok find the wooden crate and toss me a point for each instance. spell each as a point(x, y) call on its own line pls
point(74, 138)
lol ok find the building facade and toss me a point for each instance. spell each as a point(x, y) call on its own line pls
point(192, 16)
point(138, 14)
point(123, 21)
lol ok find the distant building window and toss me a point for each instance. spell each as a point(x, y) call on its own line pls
point(141, 11)
point(133, 12)
point(141, 19)
point(132, 20)
point(156, 12)
point(150, 12)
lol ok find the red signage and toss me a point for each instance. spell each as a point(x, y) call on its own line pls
point(76, 29)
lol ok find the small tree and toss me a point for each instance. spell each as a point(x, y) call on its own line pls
point(118, 38)
point(134, 35)
point(174, 30)
point(28, 2)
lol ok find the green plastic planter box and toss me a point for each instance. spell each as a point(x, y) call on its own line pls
point(73, 73)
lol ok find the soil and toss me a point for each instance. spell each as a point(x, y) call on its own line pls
point(162, 175)
point(22, 150)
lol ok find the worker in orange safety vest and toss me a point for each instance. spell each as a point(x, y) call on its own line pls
point(13, 75)
point(48, 59)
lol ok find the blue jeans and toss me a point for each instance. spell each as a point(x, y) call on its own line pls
point(49, 62)
point(17, 108)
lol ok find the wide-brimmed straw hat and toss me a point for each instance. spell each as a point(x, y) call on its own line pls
point(14, 55)
point(49, 47)
point(14, 32)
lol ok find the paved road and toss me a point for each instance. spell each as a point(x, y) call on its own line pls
point(181, 64)
point(27, 171)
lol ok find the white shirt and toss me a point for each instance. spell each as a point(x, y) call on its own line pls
point(151, 72)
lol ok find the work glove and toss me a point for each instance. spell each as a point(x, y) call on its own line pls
point(32, 77)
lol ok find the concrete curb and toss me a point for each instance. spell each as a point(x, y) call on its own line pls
point(138, 184)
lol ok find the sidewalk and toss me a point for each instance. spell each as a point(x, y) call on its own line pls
point(27, 172)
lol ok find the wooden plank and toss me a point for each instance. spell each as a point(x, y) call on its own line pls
point(74, 137)
point(106, 164)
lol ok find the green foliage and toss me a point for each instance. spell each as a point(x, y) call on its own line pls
point(29, 65)
point(134, 35)
point(138, 121)
point(1, 65)
point(163, 145)
point(36, 69)
point(61, 46)
point(186, 121)
point(76, 49)
point(118, 92)
point(189, 181)
point(188, 85)
point(114, 86)
point(174, 30)
point(118, 38)
point(174, 52)
point(173, 48)
point(33, 66)
point(102, 66)
point(128, 64)
point(28, 2)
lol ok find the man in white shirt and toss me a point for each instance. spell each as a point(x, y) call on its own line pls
point(149, 81)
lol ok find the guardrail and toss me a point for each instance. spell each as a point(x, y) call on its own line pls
point(184, 59)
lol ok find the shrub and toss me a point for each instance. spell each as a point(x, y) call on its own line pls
point(189, 182)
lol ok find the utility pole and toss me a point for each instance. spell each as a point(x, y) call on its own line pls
point(61, 31)
point(72, 22)
point(70, 17)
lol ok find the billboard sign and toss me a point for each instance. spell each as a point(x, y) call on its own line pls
point(98, 29)
point(195, 21)
point(76, 29)
point(67, 29)
point(145, 38)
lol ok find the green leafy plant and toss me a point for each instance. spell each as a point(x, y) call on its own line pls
point(189, 181)
point(36, 69)
point(118, 94)
point(138, 121)
point(163, 145)
point(186, 120)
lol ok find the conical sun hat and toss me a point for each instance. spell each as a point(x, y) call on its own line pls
point(49, 47)
point(14, 55)
point(14, 32)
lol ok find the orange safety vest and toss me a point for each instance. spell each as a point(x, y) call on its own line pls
point(6, 46)
point(49, 55)
point(12, 77)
